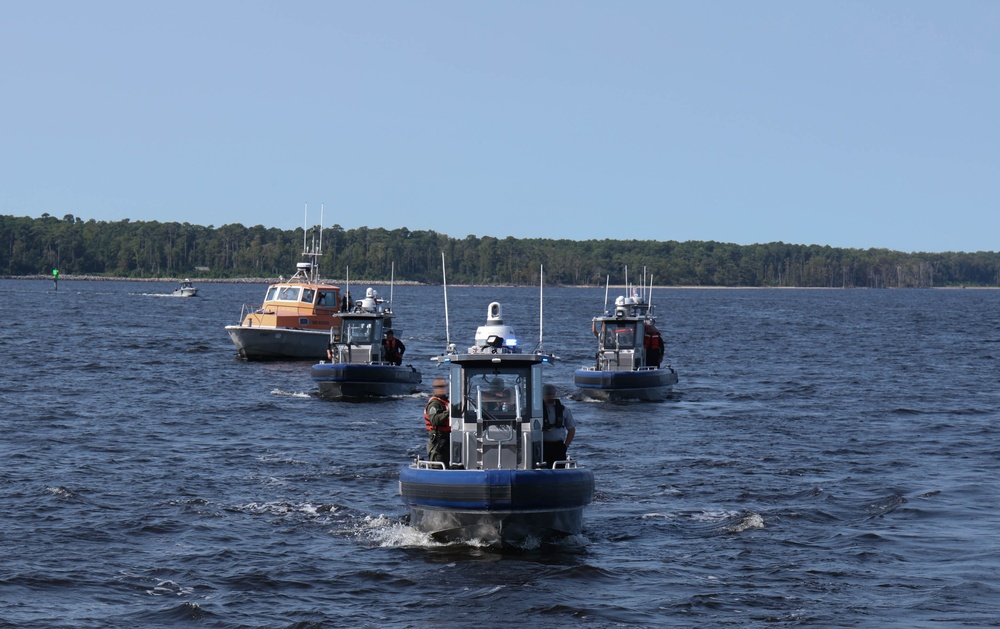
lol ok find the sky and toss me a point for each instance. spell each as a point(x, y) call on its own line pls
point(852, 124)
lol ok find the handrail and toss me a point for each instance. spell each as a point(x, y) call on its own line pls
point(568, 464)
point(423, 464)
point(245, 310)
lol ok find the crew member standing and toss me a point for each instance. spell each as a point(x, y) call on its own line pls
point(436, 417)
point(393, 348)
point(558, 427)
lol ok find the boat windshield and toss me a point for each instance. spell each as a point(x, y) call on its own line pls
point(618, 335)
point(283, 293)
point(357, 332)
point(501, 392)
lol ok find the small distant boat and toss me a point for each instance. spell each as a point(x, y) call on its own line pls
point(295, 319)
point(496, 487)
point(186, 289)
point(359, 365)
point(629, 354)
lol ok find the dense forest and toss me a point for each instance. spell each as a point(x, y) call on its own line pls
point(33, 246)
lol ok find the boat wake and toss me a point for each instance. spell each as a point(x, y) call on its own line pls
point(296, 394)
point(374, 531)
point(747, 522)
point(285, 509)
point(716, 521)
point(384, 532)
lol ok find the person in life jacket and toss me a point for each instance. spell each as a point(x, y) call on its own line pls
point(438, 423)
point(654, 347)
point(392, 349)
point(558, 427)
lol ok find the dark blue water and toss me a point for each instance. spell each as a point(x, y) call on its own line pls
point(829, 458)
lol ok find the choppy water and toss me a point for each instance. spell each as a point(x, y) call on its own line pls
point(829, 458)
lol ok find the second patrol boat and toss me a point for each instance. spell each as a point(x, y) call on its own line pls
point(359, 365)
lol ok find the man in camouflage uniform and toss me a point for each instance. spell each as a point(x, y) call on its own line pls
point(438, 422)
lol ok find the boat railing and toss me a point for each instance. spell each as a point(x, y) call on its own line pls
point(568, 464)
point(248, 309)
point(423, 464)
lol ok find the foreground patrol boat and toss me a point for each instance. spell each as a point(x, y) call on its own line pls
point(497, 488)
point(629, 355)
point(358, 365)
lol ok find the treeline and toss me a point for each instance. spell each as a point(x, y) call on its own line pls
point(139, 249)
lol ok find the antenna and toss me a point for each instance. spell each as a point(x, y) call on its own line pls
point(444, 279)
point(305, 228)
point(350, 306)
point(320, 250)
point(316, 250)
point(607, 285)
point(541, 301)
point(649, 299)
point(392, 279)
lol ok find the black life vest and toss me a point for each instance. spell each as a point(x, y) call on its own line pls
point(559, 422)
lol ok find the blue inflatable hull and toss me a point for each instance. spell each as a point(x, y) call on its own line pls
point(641, 384)
point(506, 506)
point(348, 380)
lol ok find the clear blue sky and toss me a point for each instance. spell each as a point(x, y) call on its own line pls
point(849, 123)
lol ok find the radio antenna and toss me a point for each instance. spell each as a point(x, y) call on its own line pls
point(541, 302)
point(444, 279)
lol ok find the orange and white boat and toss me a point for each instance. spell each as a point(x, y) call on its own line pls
point(293, 322)
point(295, 319)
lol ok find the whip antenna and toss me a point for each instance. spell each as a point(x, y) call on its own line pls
point(607, 285)
point(305, 229)
point(444, 279)
point(541, 302)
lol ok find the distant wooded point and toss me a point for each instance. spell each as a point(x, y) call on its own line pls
point(35, 246)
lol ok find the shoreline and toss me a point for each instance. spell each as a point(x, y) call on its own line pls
point(274, 280)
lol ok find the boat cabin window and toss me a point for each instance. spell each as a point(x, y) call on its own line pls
point(272, 294)
point(617, 335)
point(288, 293)
point(357, 332)
point(308, 294)
point(328, 299)
point(500, 392)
